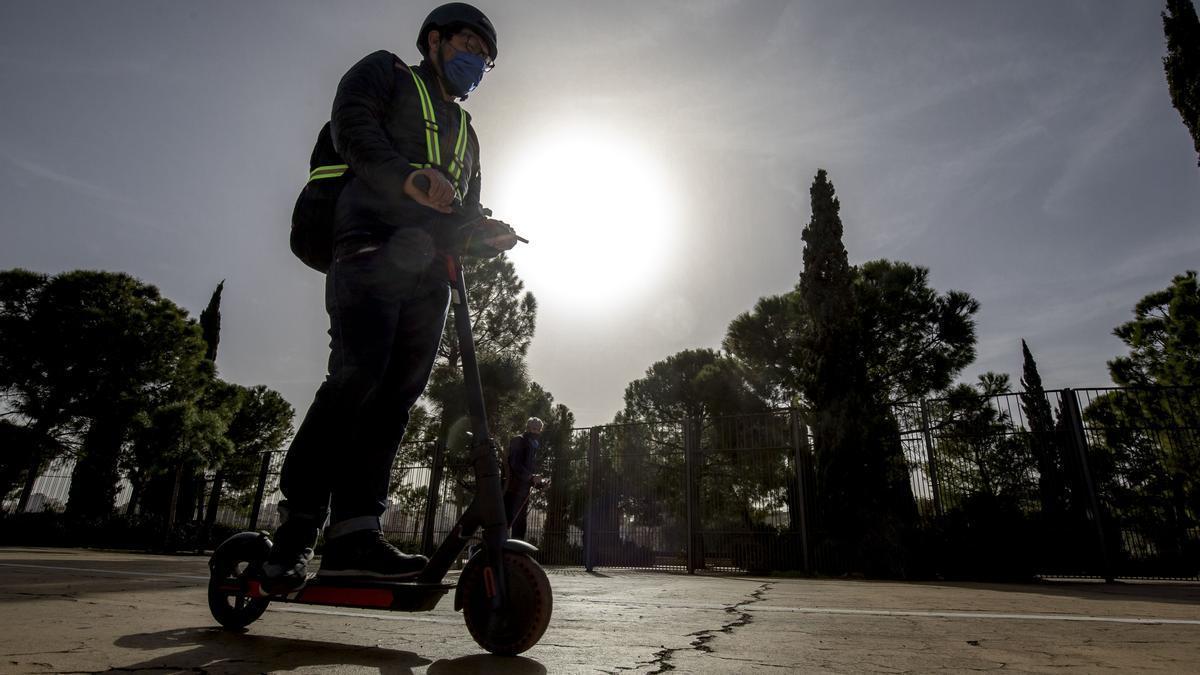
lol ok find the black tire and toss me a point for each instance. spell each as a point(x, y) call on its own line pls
point(234, 610)
point(530, 604)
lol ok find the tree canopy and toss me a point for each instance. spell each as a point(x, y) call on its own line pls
point(1182, 63)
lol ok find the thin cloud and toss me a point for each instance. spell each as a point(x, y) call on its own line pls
point(77, 185)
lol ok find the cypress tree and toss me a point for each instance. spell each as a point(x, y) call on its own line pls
point(1182, 63)
point(865, 501)
point(1040, 419)
point(210, 323)
point(827, 299)
point(831, 377)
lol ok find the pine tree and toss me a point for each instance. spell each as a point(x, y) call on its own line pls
point(210, 322)
point(1040, 419)
point(1182, 63)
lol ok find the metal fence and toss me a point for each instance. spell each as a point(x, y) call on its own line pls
point(1091, 482)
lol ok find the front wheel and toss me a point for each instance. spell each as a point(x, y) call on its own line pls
point(228, 600)
point(522, 623)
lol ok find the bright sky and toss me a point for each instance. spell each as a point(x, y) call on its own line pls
point(657, 154)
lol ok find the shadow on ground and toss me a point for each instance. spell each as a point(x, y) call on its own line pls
point(216, 649)
point(486, 664)
point(223, 650)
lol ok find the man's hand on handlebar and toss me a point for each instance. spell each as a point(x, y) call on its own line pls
point(482, 236)
point(439, 196)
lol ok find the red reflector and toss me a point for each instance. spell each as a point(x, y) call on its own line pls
point(348, 597)
point(489, 582)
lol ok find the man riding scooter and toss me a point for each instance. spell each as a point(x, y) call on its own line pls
point(398, 128)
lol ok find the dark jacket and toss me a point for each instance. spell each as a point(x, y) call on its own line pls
point(379, 131)
point(522, 462)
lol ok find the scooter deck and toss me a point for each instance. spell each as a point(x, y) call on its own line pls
point(399, 596)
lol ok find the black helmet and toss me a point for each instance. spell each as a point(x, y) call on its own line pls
point(457, 13)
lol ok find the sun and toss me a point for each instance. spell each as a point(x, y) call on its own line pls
point(598, 209)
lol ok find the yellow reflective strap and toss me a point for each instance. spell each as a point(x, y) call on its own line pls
point(460, 147)
point(433, 150)
point(328, 171)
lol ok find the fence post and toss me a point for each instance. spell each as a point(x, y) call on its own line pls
point(1078, 440)
point(431, 502)
point(934, 484)
point(262, 487)
point(800, 455)
point(589, 524)
point(691, 448)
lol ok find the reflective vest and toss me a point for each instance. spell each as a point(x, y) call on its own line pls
point(433, 150)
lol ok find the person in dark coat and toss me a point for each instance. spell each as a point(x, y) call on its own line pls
point(386, 291)
point(521, 464)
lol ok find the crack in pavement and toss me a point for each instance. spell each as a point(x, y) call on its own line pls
point(662, 658)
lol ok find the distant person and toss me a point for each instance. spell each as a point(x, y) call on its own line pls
point(521, 463)
point(386, 290)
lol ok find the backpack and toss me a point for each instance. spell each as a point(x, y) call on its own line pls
point(312, 218)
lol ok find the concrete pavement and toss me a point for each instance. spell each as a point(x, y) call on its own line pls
point(73, 611)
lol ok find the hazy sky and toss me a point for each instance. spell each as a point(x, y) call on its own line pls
point(657, 154)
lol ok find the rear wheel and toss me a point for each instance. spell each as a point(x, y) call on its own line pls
point(530, 601)
point(228, 597)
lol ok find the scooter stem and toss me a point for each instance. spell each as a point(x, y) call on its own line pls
point(484, 455)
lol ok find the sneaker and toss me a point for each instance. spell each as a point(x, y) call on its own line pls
point(366, 553)
point(285, 572)
point(286, 567)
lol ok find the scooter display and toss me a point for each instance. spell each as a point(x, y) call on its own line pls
point(503, 593)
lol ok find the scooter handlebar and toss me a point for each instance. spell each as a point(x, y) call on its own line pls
point(422, 183)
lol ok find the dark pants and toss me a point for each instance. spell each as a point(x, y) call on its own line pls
point(514, 499)
point(387, 308)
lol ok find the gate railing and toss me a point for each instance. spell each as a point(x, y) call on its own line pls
point(1089, 482)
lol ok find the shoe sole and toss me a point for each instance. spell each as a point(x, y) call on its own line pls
point(367, 574)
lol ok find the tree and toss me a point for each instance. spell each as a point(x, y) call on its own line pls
point(19, 445)
point(32, 398)
point(1042, 437)
point(832, 365)
point(979, 444)
point(117, 347)
point(692, 383)
point(1147, 464)
point(502, 317)
point(178, 439)
point(866, 501)
point(210, 323)
point(1163, 338)
point(563, 498)
point(767, 340)
point(1182, 63)
point(915, 339)
point(260, 425)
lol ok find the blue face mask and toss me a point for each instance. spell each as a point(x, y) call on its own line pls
point(464, 72)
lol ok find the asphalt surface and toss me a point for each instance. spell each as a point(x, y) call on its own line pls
point(73, 611)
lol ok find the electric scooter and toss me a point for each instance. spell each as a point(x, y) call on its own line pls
point(503, 593)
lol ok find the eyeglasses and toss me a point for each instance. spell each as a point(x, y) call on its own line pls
point(477, 47)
